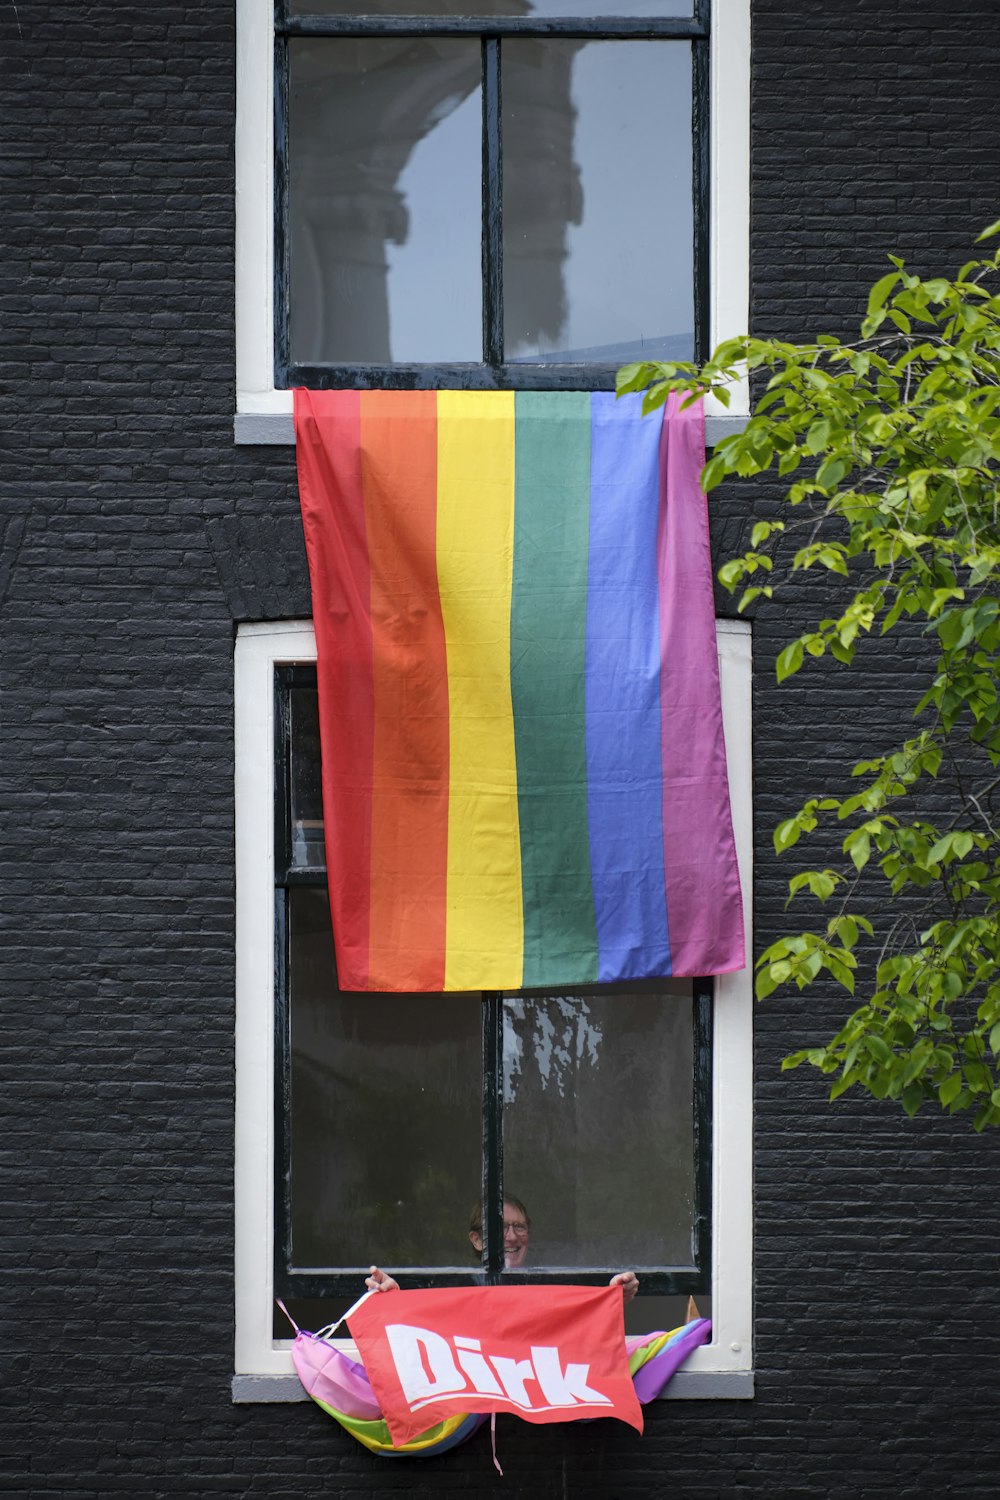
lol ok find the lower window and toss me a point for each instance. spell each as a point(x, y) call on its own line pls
point(458, 1137)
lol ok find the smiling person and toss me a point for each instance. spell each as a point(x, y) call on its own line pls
point(516, 1231)
point(516, 1235)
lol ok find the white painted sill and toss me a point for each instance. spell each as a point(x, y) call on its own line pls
point(273, 429)
point(686, 1385)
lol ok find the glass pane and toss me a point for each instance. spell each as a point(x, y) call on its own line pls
point(597, 207)
point(314, 1313)
point(642, 1314)
point(384, 265)
point(385, 1116)
point(662, 9)
point(306, 791)
point(599, 1128)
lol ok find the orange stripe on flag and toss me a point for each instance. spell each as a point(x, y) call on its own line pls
point(409, 858)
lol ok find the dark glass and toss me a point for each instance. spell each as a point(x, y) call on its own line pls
point(584, 9)
point(654, 1314)
point(598, 227)
point(642, 1314)
point(384, 266)
point(385, 1113)
point(306, 788)
point(312, 1314)
point(599, 1126)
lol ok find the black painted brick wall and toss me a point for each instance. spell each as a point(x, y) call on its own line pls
point(134, 534)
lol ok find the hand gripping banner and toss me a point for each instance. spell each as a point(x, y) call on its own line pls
point(546, 1354)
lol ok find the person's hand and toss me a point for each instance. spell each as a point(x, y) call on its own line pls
point(629, 1283)
point(381, 1281)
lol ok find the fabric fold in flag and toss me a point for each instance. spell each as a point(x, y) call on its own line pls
point(341, 1387)
point(546, 1354)
point(524, 776)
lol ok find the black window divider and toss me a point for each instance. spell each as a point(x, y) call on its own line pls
point(608, 28)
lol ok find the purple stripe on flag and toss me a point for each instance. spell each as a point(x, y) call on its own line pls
point(704, 903)
point(650, 1379)
point(623, 720)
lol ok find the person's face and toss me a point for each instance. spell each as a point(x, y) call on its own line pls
point(515, 1238)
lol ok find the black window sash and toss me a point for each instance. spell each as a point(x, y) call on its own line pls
point(491, 373)
point(291, 1280)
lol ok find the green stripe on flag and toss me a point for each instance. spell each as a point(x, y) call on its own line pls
point(548, 634)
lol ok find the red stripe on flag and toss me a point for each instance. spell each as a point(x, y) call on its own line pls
point(409, 858)
point(327, 431)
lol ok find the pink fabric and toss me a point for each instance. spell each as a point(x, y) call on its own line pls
point(704, 901)
point(330, 1376)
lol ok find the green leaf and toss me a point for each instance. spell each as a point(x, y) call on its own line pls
point(912, 1098)
point(818, 436)
point(763, 529)
point(713, 472)
point(655, 396)
point(878, 1049)
point(786, 834)
point(880, 291)
point(789, 661)
point(831, 473)
point(765, 985)
point(859, 846)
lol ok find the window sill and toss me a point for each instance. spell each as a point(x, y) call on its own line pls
point(687, 1385)
point(274, 429)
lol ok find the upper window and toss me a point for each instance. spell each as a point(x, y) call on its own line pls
point(471, 199)
point(486, 193)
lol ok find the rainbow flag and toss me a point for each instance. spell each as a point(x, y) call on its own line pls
point(340, 1386)
point(524, 775)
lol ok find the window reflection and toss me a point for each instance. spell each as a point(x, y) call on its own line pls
point(384, 265)
point(385, 200)
point(598, 226)
point(599, 1125)
point(305, 790)
point(385, 1113)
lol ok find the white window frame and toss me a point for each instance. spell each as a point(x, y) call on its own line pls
point(729, 200)
point(263, 1364)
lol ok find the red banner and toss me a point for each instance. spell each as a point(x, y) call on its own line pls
point(547, 1354)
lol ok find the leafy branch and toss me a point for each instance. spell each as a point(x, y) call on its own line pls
point(889, 449)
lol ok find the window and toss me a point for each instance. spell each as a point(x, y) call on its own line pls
point(484, 193)
point(387, 1108)
point(450, 206)
point(397, 1109)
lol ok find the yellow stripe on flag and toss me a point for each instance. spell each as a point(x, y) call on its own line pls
point(475, 546)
